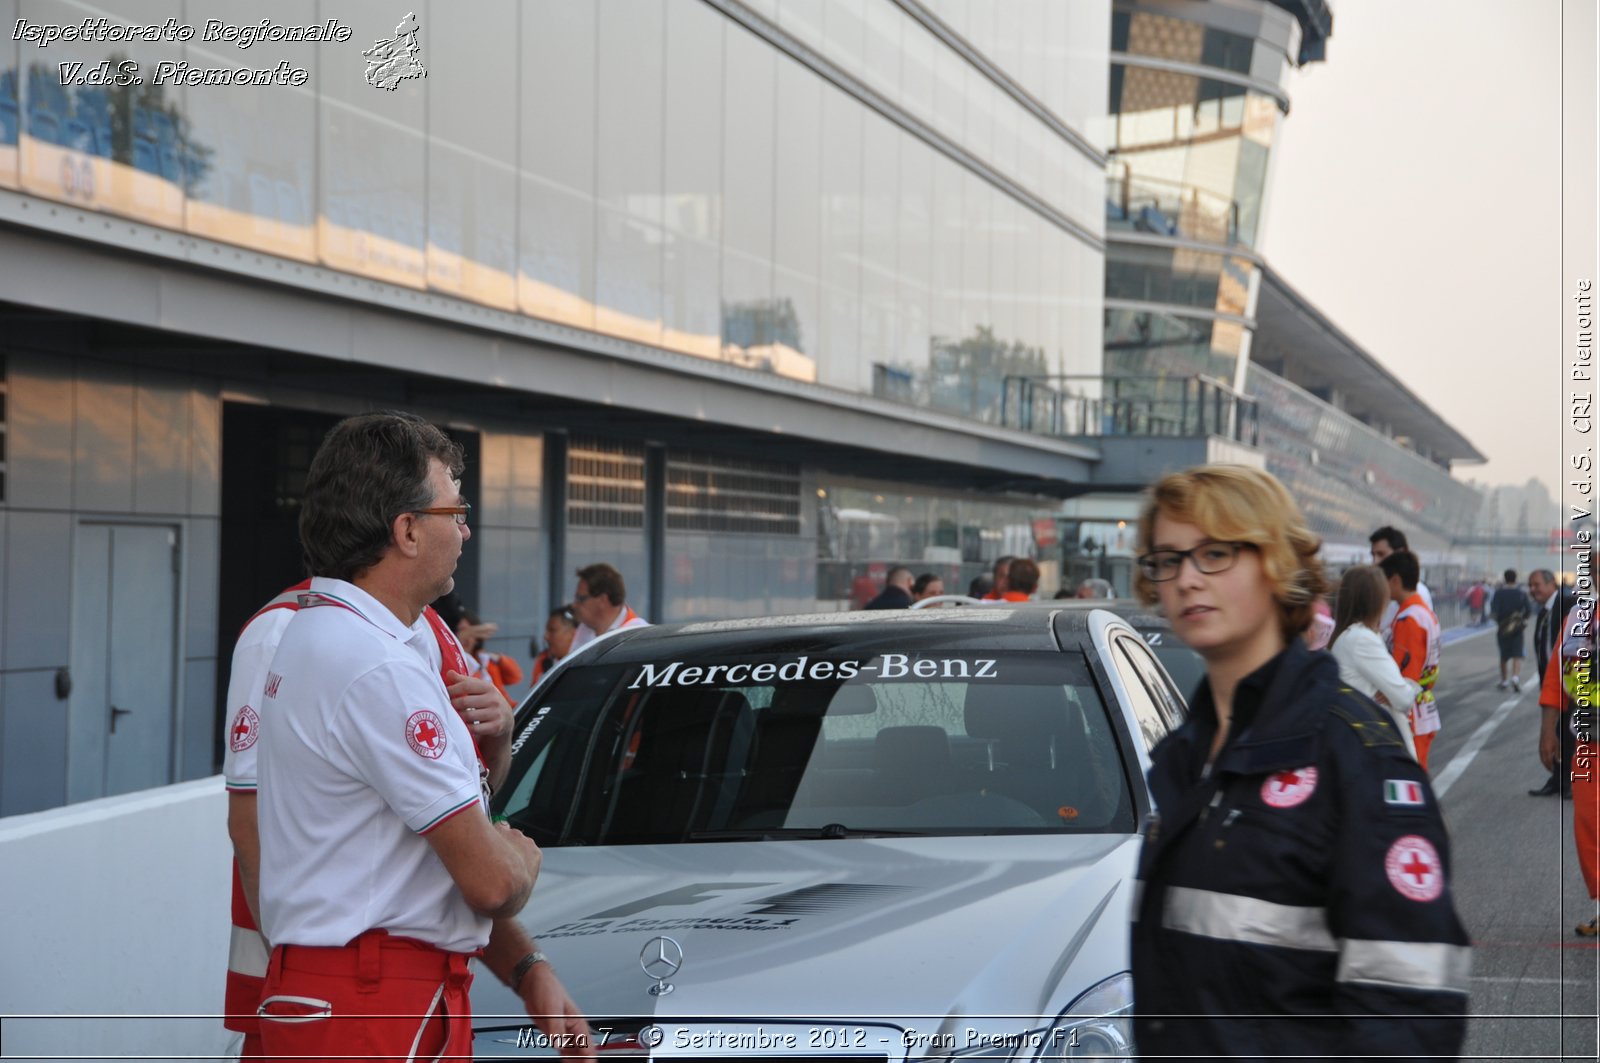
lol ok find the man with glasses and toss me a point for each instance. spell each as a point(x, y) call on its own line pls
point(381, 874)
point(599, 603)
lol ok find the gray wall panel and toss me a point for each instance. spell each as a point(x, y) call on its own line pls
point(33, 743)
point(523, 576)
point(5, 523)
point(205, 451)
point(38, 431)
point(199, 720)
point(38, 578)
point(161, 443)
point(102, 442)
point(494, 480)
point(201, 538)
point(489, 600)
point(526, 500)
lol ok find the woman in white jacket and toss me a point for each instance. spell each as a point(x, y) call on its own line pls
point(1364, 661)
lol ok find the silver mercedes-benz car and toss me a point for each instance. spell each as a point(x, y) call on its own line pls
point(882, 836)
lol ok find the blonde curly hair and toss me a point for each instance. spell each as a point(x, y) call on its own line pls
point(1236, 503)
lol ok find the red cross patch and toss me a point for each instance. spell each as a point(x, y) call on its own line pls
point(1286, 789)
point(246, 728)
point(1414, 868)
point(425, 733)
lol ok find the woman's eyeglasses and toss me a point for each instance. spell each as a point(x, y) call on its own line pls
point(1209, 559)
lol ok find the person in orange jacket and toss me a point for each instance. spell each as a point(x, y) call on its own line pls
point(1574, 651)
point(1416, 644)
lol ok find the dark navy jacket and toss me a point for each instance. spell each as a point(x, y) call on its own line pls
point(1295, 897)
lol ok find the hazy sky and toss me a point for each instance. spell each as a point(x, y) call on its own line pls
point(1416, 201)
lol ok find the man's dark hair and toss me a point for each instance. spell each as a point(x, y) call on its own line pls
point(564, 614)
point(897, 572)
point(369, 470)
point(1511, 575)
point(1022, 576)
point(981, 584)
point(921, 585)
point(603, 579)
point(1003, 564)
point(1393, 536)
point(1544, 574)
point(1402, 563)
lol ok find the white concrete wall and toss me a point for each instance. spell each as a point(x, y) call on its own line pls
point(117, 909)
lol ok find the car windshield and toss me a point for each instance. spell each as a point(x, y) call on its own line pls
point(800, 745)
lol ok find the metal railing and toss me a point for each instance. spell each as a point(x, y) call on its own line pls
point(1171, 208)
point(1166, 405)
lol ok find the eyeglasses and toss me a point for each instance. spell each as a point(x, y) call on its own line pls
point(1209, 559)
point(579, 599)
point(458, 512)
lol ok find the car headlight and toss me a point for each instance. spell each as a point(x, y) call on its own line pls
point(1098, 1025)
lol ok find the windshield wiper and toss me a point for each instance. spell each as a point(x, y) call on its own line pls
point(831, 830)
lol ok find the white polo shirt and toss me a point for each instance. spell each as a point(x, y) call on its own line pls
point(626, 620)
point(252, 654)
point(360, 755)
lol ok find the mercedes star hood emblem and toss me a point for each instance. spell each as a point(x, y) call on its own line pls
point(661, 958)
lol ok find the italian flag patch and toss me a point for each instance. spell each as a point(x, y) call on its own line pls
point(1402, 792)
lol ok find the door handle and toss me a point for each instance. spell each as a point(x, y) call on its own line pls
point(115, 712)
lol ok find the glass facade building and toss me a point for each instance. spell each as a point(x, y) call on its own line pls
point(854, 193)
point(724, 292)
point(1197, 92)
point(1196, 95)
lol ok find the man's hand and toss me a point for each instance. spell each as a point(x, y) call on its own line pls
point(484, 709)
point(553, 1011)
point(1549, 743)
point(489, 716)
point(525, 848)
point(542, 993)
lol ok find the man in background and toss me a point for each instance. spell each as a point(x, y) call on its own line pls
point(1552, 602)
point(896, 592)
point(1022, 580)
point(1002, 569)
point(1510, 608)
point(599, 602)
point(1385, 541)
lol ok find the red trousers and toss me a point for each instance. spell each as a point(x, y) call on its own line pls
point(1585, 771)
point(378, 998)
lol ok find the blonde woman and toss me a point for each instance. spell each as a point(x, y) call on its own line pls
point(1364, 661)
point(1295, 896)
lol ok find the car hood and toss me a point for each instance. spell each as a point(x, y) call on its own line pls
point(912, 931)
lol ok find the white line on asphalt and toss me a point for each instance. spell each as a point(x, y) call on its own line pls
point(1458, 764)
point(1526, 981)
